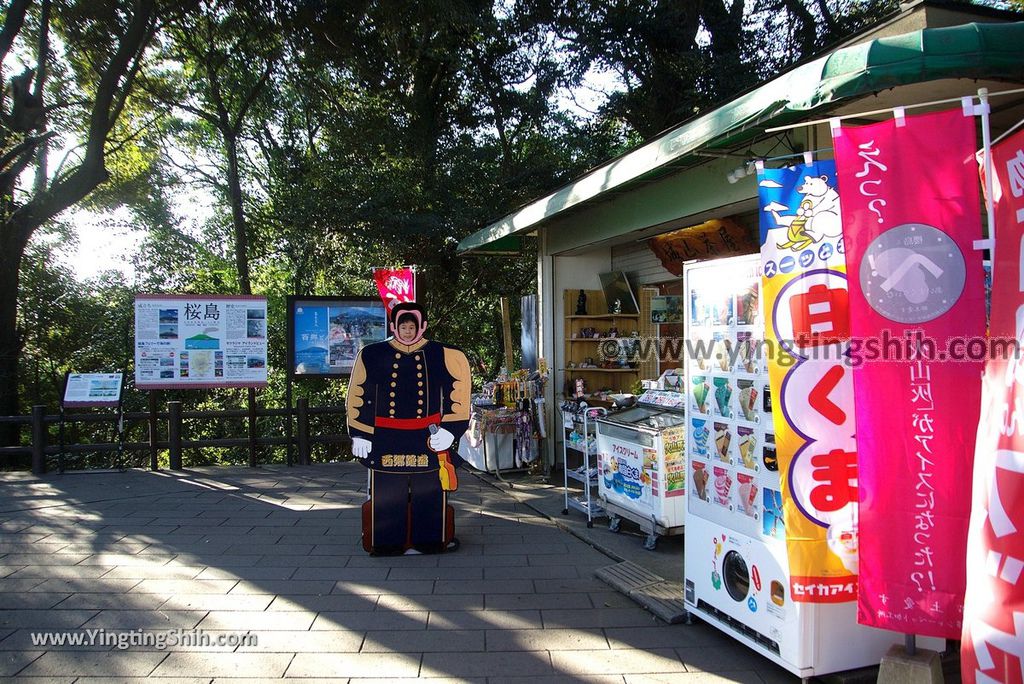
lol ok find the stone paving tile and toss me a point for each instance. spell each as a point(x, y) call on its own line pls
point(489, 587)
point(647, 661)
point(223, 561)
point(248, 573)
point(283, 641)
point(144, 680)
point(665, 636)
point(544, 572)
point(743, 677)
point(153, 572)
point(436, 573)
point(473, 664)
point(89, 585)
point(169, 586)
point(258, 620)
point(431, 602)
point(213, 601)
point(328, 603)
point(17, 585)
point(56, 619)
point(145, 619)
point(32, 559)
point(353, 574)
point(601, 617)
point(30, 600)
point(112, 601)
point(559, 679)
point(307, 561)
point(95, 664)
point(545, 639)
point(548, 602)
point(224, 665)
point(61, 572)
point(378, 620)
point(12, 662)
point(479, 619)
point(115, 559)
point(403, 587)
point(380, 665)
point(313, 587)
point(456, 560)
point(425, 641)
point(566, 586)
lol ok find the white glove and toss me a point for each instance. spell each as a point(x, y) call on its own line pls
point(441, 440)
point(361, 447)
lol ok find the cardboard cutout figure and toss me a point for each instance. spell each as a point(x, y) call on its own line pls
point(408, 407)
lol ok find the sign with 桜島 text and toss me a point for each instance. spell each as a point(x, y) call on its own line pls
point(184, 341)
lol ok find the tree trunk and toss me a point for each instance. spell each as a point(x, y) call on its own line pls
point(237, 213)
point(13, 248)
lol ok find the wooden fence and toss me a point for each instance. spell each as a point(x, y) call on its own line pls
point(297, 442)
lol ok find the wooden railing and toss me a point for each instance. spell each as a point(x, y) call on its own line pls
point(298, 443)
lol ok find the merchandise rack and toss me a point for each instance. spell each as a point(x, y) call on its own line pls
point(575, 416)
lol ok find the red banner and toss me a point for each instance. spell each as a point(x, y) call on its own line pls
point(992, 646)
point(910, 214)
point(395, 285)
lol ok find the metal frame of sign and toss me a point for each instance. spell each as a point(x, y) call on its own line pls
point(294, 300)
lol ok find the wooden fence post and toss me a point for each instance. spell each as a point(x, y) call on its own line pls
point(302, 406)
point(174, 433)
point(38, 440)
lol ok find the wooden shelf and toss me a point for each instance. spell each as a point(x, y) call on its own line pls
point(601, 370)
point(596, 317)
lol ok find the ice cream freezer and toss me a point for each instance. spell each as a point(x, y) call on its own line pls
point(642, 467)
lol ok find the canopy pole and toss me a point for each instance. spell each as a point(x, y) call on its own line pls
point(817, 122)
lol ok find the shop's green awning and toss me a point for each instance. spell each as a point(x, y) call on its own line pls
point(974, 51)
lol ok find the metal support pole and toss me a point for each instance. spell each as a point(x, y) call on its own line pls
point(153, 462)
point(251, 402)
point(302, 408)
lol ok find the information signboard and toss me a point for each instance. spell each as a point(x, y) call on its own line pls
point(184, 341)
point(326, 333)
point(93, 389)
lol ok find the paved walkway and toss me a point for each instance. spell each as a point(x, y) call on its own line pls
point(275, 552)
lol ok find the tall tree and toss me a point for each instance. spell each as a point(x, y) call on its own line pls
point(103, 48)
point(225, 52)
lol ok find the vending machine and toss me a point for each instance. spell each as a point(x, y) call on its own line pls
point(736, 567)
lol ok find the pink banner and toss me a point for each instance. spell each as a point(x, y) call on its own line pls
point(992, 646)
point(910, 216)
point(395, 285)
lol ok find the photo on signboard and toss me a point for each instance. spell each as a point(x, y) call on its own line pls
point(326, 333)
point(618, 295)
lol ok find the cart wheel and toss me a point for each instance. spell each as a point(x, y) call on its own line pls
point(614, 524)
point(651, 542)
point(565, 511)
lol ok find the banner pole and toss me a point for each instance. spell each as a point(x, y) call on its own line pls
point(986, 141)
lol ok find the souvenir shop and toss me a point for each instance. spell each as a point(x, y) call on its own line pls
point(690, 292)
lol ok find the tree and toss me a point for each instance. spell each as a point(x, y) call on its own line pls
point(103, 48)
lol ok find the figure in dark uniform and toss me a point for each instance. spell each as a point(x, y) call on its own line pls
point(408, 407)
